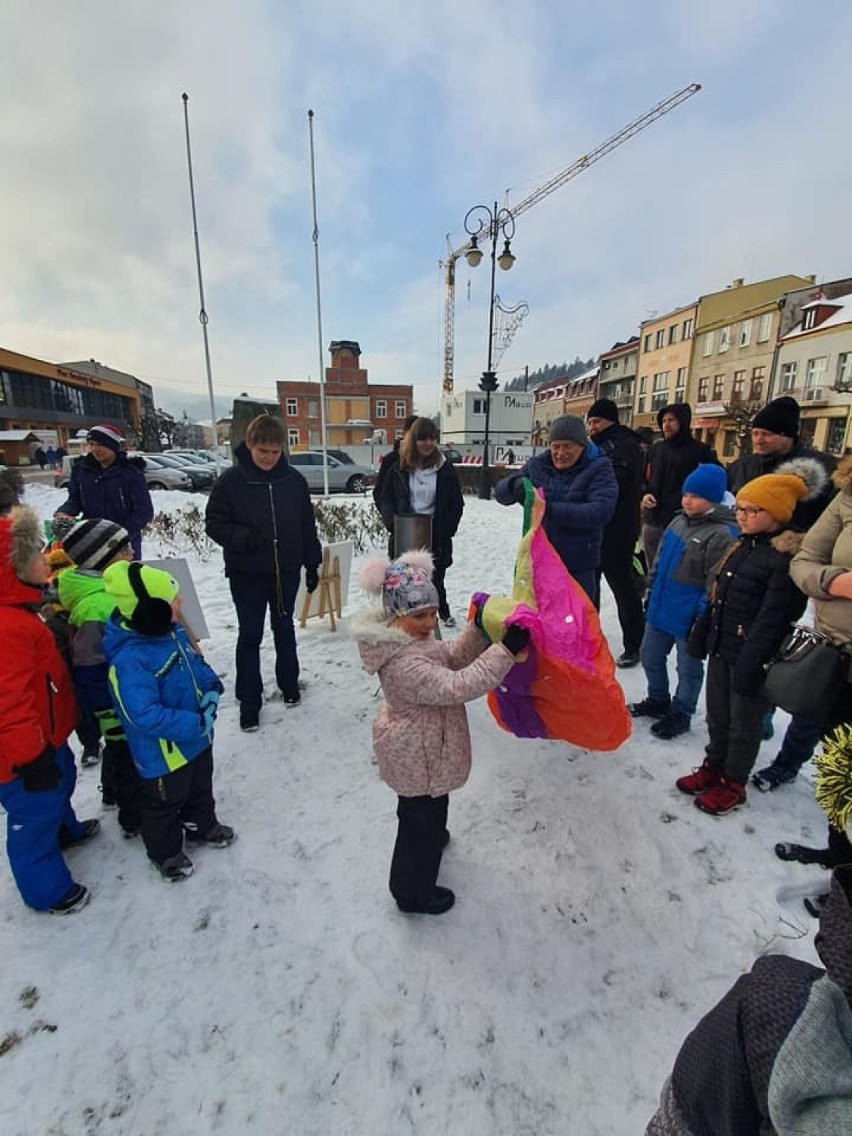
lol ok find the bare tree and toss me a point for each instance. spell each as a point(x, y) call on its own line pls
point(742, 413)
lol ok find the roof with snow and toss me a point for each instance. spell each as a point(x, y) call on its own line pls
point(842, 315)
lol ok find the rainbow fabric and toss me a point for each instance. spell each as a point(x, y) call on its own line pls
point(564, 687)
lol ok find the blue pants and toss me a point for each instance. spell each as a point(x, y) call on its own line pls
point(32, 831)
point(654, 653)
point(800, 741)
point(252, 595)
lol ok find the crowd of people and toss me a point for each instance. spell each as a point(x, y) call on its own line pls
point(732, 557)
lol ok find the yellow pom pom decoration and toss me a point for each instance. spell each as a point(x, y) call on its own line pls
point(834, 777)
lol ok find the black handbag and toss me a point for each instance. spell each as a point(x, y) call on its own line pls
point(808, 674)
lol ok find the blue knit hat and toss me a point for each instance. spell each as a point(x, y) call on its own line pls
point(707, 481)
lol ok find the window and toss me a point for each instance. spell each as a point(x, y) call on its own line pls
point(660, 338)
point(661, 381)
point(844, 371)
point(680, 382)
point(724, 338)
point(643, 384)
point(292, 407)
point(399, 410)
point(764, 327)
point(687, 329)
point(788, 376)
point(647, 344)
point(729, 444)
point(479, 406)
point(381, 408)
point(809, 319)
point(718, 387)
point(738, 386)
point(313, 408)
point(707, 344)
point(745, 333)
point(703, 388)
point(815, 374)
point(836, 435)
point(640, 404)
point(674, 333)
point(292, 436)
point(758, 375)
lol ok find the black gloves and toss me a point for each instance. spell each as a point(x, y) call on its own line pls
point(519, 490)
point(311, 578)
point(41, 775)
point(516, 639)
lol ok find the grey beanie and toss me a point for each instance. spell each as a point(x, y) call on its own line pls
point(568, 428)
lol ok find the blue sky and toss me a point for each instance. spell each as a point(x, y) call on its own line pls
point(422, 110)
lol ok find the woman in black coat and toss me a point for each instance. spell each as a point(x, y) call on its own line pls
point(424, 483)
point(260, 512)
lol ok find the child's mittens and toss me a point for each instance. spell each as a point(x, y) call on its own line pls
point(208, 706)
point(516, 639)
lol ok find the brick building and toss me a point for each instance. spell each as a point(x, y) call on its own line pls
point(355, 408)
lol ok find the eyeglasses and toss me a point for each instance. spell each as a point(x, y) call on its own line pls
point(747, 510)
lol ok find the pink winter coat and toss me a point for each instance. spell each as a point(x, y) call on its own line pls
point(420, 734)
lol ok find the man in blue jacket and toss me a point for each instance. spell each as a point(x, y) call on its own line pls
point(580, 492)
point(105, 485)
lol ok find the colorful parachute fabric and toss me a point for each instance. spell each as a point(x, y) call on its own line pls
point(565, 689)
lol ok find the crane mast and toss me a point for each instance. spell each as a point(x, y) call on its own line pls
point(558, 180)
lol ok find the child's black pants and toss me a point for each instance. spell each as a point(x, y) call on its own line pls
point(417, 852)
point(184, 796)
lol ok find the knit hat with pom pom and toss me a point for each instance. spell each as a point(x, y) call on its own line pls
point(405, 584)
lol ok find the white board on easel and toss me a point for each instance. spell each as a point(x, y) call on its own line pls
point(190, 604)
point(343, 551)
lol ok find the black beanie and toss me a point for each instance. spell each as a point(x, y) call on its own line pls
point(779, 417)
point(603, 408)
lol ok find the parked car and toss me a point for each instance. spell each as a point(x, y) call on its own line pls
point(202, 457)
point(451, 455)
point(341, 456)
point(343, 477)
point(156, 476)
point(200, 476)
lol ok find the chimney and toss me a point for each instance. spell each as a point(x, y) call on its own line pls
point(738, 282)
point(811, 278)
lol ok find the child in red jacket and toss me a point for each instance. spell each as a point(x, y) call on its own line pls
point(37, 713)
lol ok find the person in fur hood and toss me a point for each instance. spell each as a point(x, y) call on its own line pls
point(420, 735)
point(38, 711)
point(752, 603)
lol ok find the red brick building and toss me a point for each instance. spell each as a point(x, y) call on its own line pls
point(355, 408)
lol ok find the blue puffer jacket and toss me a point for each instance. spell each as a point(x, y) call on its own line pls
point(118, 493)
point(580, 503)
point(157, 683)
point(683, 568)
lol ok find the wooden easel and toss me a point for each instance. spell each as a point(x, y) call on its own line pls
point(330, 598)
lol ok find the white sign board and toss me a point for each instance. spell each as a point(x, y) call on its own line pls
point(343, 551)
point(190, 604)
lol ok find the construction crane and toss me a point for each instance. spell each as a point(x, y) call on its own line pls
point(624, 135)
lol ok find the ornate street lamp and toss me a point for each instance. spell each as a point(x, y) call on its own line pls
point(481, 221)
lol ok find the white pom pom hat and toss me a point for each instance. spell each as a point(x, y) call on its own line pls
point(405, 584)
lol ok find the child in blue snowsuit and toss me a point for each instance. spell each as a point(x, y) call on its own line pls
point(166, 697)
point(694, 542)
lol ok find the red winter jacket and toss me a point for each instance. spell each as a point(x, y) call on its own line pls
point(37, 703)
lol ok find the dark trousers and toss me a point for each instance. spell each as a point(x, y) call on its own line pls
point(121, 783)
point(438, 575)
point(417, 852)
point(733, 723)
point(617, 569)
point(588, 579)
point(252, 595)
point(168, 802)
point(800, 741)
point(88, 730)
point(651, 537)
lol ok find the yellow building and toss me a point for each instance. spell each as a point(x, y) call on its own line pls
point(665, 347)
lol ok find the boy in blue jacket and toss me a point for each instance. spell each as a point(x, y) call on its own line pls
point(693, 543)
point(166, 697)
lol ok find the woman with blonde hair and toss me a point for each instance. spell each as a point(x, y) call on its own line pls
point(424, 483)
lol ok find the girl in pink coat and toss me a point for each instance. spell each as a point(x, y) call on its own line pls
point(420, 736)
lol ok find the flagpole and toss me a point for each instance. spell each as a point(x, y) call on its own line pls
point(319, 307)
point(202, 315)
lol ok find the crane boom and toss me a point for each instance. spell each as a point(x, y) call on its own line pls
point(558, 180)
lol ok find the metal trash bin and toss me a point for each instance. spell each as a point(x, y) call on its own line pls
point(411, 531)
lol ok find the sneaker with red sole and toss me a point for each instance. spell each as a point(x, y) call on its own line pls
point(724, 798)
point(706, 777)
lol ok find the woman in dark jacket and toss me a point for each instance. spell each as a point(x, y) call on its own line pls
point(423, 482)
point(261, 513)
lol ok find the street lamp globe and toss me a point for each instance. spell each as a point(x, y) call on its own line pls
point(506, 258)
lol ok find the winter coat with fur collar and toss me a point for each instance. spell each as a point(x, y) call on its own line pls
point(420, 735)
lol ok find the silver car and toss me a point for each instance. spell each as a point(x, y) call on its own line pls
point(156, 476)
point(342, 478)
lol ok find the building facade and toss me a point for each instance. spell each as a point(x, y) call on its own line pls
point(665, 347)
point(356, 410)
point(617, 378)
point(37, 395)
point(562, 396)
point(509, 423)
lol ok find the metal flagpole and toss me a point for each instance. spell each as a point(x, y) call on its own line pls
point(319, 307)
point(202, 315)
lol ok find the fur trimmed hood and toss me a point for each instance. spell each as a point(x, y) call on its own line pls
point(20, 542)
point(788, 541)
point(377, 641)
point(842, 476)
point(811, 471)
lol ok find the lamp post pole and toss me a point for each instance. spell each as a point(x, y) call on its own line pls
point(479, 221)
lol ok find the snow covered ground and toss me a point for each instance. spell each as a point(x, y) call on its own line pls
point(278, 991)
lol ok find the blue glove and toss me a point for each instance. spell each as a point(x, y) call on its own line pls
point(209, 705)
